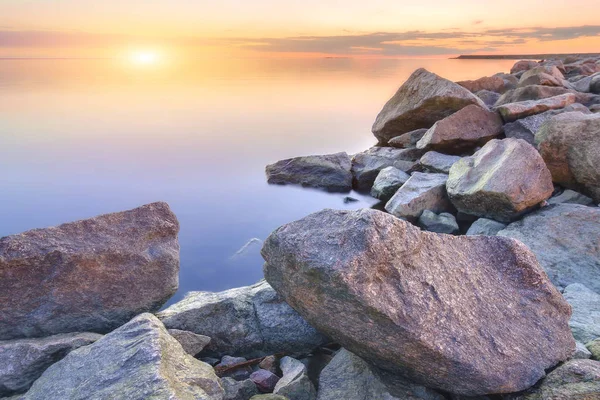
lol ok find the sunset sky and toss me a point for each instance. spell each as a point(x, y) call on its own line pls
point(374, 28)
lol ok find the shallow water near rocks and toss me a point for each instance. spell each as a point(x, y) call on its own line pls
point(80, 138)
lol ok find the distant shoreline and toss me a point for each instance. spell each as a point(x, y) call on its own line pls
point(522, 56)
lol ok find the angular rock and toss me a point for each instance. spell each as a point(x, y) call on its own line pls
point(581, 352)
point(571, 197)
point(442, 223)
point(421, 101)
point(513, 111)
point(295, 383)
point(502, 181)
point(486, 227)
point(585, 321)
point(523, 65)
point(564, 239)
point(388, 181)
point(405, 299)
point(264, 380)
point(22, 361)
point(408, 139)
point(367, 165)
point(349, 377)
point(570, 146)
point(435, 162)
point(421, 192)
point(235, 390)
point(330, 172)
point(88, 276)
point(251, 321)
point(576, 379)
point(545, 75)
point(491, 83)
point(466, 129)
point(488, 98)
point(139, 360)
point(535, 92)
point(270, 363)
point(191, 342)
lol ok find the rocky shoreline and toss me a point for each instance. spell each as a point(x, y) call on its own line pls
point(476, 277)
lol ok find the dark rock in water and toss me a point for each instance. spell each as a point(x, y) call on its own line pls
point(570, 146)
point(388, 182)
point(137, 361)
point(502, 181)
point(435, 162)
point(349, 377)
point(421, 192)
point(523, 65)
point(513, 111)
point(466, 129)
point(418, 304)
point(442, 223)
point(264, 380)
point(22, 361)
point(329, 172)
point(251, 321)
point(484, 226)
point(421, 101)
point(542, 75)
point(571, 197)
point(88, 276)
point(348, 200)
point(295, 383)
point(235, 390)
point(408, 139)
point(491, 83)
point(585, 303)
point(488, 98)
point(367, 165)
point(191, 342)
point(564, 239)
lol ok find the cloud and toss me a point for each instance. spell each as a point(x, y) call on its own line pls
point(478, 22)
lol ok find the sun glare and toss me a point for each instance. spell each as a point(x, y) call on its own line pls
point(145, 57)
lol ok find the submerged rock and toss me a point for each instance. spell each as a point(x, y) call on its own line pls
point(484, 226)
point(403, 299)
point(421, 101)
point(248, 321)
point(513, 111)
point(139, 360)
point(585, 321)
point(295, 383)
point(367, 165)
point(330, 172)
point(388, 182)
point(92, 275)
point(442, 223)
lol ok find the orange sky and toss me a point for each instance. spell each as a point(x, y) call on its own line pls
point(388, 28)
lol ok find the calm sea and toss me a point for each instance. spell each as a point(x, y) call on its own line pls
point(80, 138)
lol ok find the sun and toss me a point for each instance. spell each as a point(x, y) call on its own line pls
point(145, 57)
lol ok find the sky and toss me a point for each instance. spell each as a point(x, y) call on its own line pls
point(356, 28)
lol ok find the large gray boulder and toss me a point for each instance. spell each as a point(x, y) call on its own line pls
point(466, 129)
point(367, 164)
point(570, 146)
point(88, 276)
point(513, 111)
point(330, 172)
point(421, 192)
point(388, 182)
point(295, 383)
point(421, 101)
point(546, 75)
point(139, 360)
point(502, 181)
point(249, 321)
point(564, 239)
point(585, 321)
point(22, 361)
point(418, 304)
point(348, 377)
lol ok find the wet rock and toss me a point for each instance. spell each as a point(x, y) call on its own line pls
point(581, 352)
point(435, 162)
point(486, 227)
point(139, 360)
point(523, 65)
point(421, 101)
point(571, 197)
point(585, 321)
point(546, 75)
point(576, 379)
point(421, 192)
point(442, 223)
point(251, 321)
point(502, 181)
point(564, 238)
point(488, 98)
point(408, 139)
point(88, 276)
point(402, 299)
point(330, 172)
point(295, 383)
point(22, 361)
point(491, 83)
point(367, 165)
point(513, 111)
point(235, 390)
point(466, 129)
point(264, 380)
point(239, 374)
point(191, 342)
point(349, 377)
point(388, 181)
point(570, 146)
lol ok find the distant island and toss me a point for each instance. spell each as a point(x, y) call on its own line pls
point(523, 56)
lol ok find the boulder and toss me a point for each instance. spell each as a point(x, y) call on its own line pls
point(421, 192)
point(488, 98)
point(585, 303)
point(407, 140)
point(576, 379)
point(22, 361)
point(564, 239)
point(486, 227)
point(421, 101)
point(349, 377)
point(570, 145)
point(546, 75)
point(466, 129)
point(442, 223)
point(191, 342)
point(513, 111)
point(523, 65)
point(595, 84)
point(139, 360)
point(435, 162)
point(330, 172)
point(535, 92)
point(417, 304)
point(235, 390)
point(295, 383)
point(388, 181)
point(491, 83)
point(251, 321)
point(269, 397)
point(502, 181)
point(571, 197)
point(88, 276)
point(367, 165)
point(264, 380)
